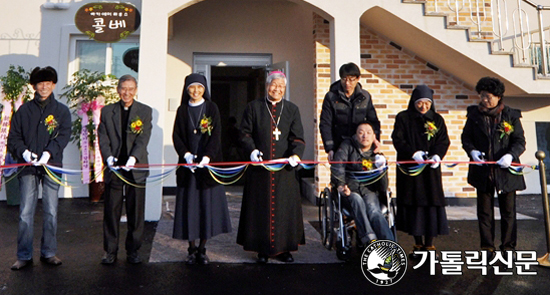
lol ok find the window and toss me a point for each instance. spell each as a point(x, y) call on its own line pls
point(103, 57)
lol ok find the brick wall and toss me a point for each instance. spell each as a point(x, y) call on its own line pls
point(390, 73)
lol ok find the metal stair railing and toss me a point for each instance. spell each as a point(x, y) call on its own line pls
point(519, 42)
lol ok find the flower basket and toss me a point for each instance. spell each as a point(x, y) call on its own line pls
point(87, 93)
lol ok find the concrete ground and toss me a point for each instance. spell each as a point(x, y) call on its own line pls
point(80, 247)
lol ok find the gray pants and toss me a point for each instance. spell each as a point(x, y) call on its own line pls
point(369, 220)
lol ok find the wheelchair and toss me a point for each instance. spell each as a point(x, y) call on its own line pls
point(337, 224)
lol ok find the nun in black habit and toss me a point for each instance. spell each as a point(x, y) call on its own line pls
point(421, 134)
point(201, 205)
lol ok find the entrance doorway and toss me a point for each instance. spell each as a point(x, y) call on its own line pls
point(232, 89)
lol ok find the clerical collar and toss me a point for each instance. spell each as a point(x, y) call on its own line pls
point(273, 102)
point(123, 107)
point(196, 104)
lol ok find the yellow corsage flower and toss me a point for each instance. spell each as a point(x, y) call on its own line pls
point(505, 129)
point(206, 124)
point(50, 123)
point(367, 165)
point(136, 126)
point(431, 129)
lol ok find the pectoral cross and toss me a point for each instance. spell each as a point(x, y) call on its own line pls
point(276, 132)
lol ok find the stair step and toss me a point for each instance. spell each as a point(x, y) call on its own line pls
point(433, 13)
point(501, 52)
point(455, 27)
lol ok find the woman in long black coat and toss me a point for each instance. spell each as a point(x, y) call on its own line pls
point(421, 134)
point(493, 132)
point(201, 205)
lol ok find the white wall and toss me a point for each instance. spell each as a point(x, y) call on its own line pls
point(533, 110)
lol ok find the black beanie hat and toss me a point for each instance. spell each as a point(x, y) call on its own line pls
point(43, 74)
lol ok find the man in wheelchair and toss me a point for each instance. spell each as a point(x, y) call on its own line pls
point(363, 198)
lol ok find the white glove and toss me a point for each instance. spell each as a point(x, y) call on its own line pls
point(29, 157)
point(437, 160)
point(331, 155)
point(418, 156)
point(256, 156)
point(189, 158)
point(293, 160)
point(130, 163)
point(205, 160)
point(43, 159)
point(111, 161)
point(379, 161)
point(477, 156)
point(505, 161)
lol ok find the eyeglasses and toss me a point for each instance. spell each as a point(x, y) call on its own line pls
point(487, 96)
point(350, 79)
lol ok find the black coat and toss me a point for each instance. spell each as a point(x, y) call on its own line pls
point(350, 151)
point(110, 136)
point(409, 135)
point(209, 145)
point(476, 136)
point(340, 116)
point(28, 131)
point(271, 219)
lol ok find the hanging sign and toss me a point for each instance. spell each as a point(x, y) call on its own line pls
point(107, 22)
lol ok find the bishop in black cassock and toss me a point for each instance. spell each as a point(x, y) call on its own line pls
point(271, 215)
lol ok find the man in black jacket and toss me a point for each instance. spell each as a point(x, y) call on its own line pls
point(124, 132)
point(344, 107)
point(40, 130)
point(354, 155)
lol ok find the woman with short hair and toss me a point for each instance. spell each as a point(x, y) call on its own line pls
point(493, 132)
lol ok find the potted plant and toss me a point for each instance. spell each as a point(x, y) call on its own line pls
point(14, 92)
point(87, 93)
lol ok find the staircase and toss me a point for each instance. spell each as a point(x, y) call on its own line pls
point(503, 36)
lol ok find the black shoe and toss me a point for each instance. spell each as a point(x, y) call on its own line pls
point(416, 248)
point(202, 258)
point(133, 258)
point(108, 258)
point(192, 257)
point(19, 264)
point(431, 248)
point(490, 253)
point(51, 260)
point(262, 259)
point(285, 257)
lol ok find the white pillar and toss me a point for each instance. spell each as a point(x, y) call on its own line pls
point(344, 41)
point(153, 46)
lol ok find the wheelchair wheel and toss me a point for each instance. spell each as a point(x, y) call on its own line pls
point(326, 219)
